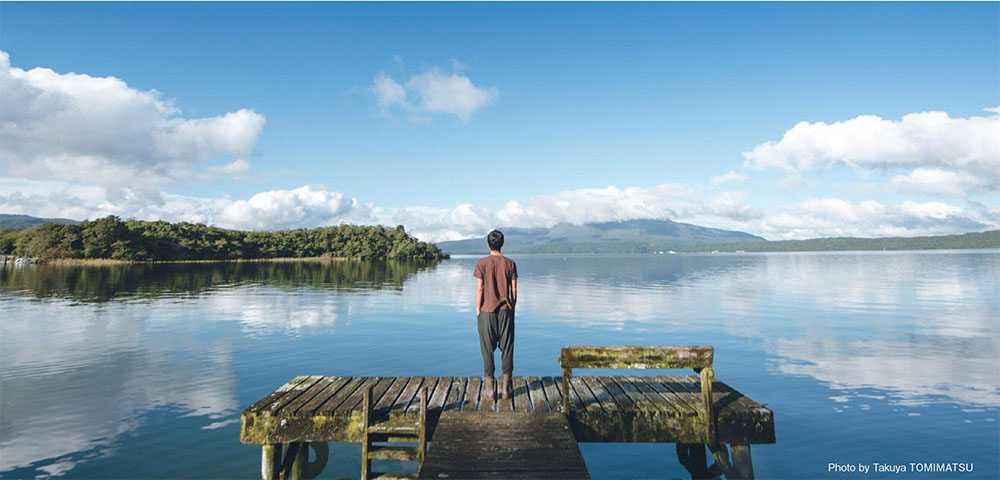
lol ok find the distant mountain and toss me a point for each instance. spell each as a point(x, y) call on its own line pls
point(21, 222)
point(629, 236)
point(987, 239)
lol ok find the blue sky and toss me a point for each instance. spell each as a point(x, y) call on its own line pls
point(785, 120)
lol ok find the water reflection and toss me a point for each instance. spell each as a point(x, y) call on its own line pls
point(153, 280)
point(912, 371)
point(92, 355)
point(75, 379)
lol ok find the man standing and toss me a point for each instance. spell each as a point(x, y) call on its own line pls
point(496, 295)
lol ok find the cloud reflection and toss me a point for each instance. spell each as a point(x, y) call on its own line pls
point(78, 378)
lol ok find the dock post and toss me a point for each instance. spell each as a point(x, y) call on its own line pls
point(270, 461)
point(707, 376)
point(567, 372)
point(366, 463)
point(301, 457)
point(422, 429)
point(742, 462)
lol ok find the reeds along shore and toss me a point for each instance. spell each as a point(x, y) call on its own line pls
point(111, 261)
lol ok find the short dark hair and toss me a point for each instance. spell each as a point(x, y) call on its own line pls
point(495, 240)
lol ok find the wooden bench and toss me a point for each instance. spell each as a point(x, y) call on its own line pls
point(697, 358)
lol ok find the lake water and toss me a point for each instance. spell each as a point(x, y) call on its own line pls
point(143, 370)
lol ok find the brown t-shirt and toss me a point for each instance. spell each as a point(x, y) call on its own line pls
point(497, 272)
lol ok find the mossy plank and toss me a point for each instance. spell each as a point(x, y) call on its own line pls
point(312, 406)
point(309, 394)
point(554, 394)
point(329, 406)
point(293, 394)
point(353, 401)
point(673, 389)
point(638, 398)
point(636, 357)
point(551, 387)
point(604, 408)
point(740, 420)
point(601, 395)
point(624, 403)
point(642, 384)
point(275, 395)
point(591, 405)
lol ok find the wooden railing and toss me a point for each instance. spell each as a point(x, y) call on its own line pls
point(698, 358)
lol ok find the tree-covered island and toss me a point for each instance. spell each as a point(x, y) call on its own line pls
point(136, 240)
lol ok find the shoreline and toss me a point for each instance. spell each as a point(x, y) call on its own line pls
point(112, 261)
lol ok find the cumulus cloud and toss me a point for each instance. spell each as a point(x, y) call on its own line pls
point(934, 181)
point(302, 207)
point(730, 176)
point(387, 91)
point(731, 205)
point(99, 131)
point(967, 147)
point(835, 217)
point(572, 206)
point(811, 218)
point(433, 92)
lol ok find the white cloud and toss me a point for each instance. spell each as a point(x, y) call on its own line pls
point(455, 94)
point(731, 205)
point(933, 181)
point(928, 140)
point(433, 92)
point(572, 206)
point(387, 91)
point(99, 131)
point(730, 176)
point(302, 207)
point(829, 217)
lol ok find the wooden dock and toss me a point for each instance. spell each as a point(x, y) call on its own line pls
point(690, 410)
point(473, 446)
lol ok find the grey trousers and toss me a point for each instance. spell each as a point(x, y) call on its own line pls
point(497, 329)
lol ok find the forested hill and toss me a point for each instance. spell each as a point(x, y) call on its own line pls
point(113, 238)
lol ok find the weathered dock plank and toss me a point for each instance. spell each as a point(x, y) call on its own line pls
point(474, 446)
point(530, 434)
point(522, 403)
point(536, 394)
point(602, 408)
point(472, 394)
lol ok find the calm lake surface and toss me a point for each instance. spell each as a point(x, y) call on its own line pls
point(143, 370)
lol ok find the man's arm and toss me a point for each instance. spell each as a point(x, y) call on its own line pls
point(513, 292)
point(479, 295)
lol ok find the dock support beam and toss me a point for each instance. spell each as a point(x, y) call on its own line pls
point(301, 457)
point(741, 461)
point(270, 461)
